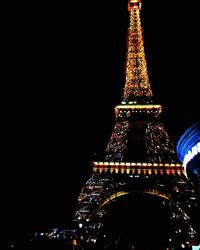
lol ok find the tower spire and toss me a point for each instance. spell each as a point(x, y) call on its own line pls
point(138, 126)
point(137, 88)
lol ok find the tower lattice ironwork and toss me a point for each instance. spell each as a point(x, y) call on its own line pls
point(140, 157)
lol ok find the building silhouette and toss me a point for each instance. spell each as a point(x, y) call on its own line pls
point(138, 196)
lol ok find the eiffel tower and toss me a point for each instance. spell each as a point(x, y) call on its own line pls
point(140, 184)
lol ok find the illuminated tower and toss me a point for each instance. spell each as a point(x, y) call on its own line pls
point(140, 165)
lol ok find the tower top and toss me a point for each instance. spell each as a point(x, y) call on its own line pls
point(134, 3)
point(137, 89)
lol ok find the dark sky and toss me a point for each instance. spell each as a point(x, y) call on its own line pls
point(64, 69)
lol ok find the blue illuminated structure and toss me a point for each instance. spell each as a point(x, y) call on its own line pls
point(188, 151)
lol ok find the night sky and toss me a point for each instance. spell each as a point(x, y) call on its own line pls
point(64, 69)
